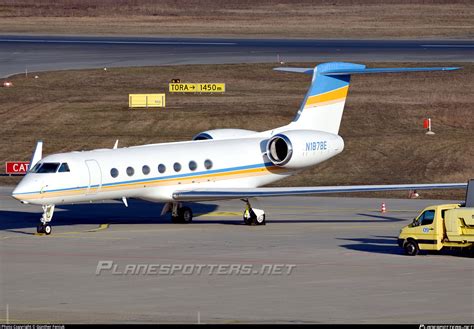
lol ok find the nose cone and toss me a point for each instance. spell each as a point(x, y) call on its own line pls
point(21, 190)
point(17, 192)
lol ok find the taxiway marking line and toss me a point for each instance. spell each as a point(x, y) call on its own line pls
point(100, 228)
point(220, 213)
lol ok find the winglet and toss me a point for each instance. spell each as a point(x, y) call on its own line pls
point(116, 144)
point(37, 154)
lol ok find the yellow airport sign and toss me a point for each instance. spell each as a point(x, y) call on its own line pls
point(146, 100)
point(197, 87)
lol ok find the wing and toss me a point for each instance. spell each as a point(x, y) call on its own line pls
point(208, 194)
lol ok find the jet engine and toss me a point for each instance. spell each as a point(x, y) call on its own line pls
point(296, 149)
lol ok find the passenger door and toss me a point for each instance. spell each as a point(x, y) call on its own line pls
point(425, 230)
point(95, 177)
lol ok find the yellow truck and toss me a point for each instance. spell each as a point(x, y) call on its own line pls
point(437, 227)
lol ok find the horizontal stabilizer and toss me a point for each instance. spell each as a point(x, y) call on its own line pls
point(204, 194)
point(388, 70)
point(336, 71)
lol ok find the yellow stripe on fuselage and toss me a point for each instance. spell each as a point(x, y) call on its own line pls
point(165, 182)
point(329, 97)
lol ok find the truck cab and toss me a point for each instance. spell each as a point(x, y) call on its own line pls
point(447, 225)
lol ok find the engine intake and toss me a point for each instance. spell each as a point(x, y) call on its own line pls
point(279, 149)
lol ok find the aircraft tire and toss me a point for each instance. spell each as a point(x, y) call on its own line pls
point(186, 215)
point(260, 220)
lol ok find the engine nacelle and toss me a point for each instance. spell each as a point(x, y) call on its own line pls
point(223, 134)
point(296, 149)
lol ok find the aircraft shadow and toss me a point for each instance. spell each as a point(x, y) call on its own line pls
point(143, 212)
point(138, 212)
point(388, 218)
point(377, 244)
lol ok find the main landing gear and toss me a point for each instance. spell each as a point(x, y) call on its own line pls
point(180, 214)
point(184, 215)
point(253, 216)
point(43, 226)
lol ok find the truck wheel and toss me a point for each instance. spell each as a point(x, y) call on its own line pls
point(411, 248)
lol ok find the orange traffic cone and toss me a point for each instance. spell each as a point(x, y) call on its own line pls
point(383, 208)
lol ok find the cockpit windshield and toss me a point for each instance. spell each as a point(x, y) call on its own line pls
point(50, 167)
point(36, 167)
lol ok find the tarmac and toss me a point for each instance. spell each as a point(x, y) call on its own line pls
point(318, 260)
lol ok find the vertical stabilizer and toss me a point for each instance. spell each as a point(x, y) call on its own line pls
point(323, 104)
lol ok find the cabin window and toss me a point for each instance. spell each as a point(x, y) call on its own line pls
point(192, 165)
point(114, 172)
point(48, 168)
point(161, 168)
point(64, 167)
point(208, 164)
point(130, 171)
point(145, 170)
point(177, 166)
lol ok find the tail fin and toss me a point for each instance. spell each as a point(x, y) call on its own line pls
point(323, 104)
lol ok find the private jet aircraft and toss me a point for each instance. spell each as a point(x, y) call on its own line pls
point(215, 165)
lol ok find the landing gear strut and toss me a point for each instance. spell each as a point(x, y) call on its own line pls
point(181, 214)
point(43, 226)
point(253, 216)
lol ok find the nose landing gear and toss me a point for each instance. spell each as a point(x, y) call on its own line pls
point(43, 226)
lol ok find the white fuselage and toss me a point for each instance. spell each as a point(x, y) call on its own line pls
point(237, 162)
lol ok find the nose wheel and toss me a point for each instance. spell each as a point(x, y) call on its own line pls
point(44, 227)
